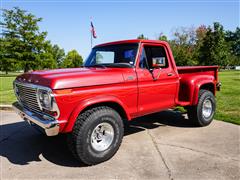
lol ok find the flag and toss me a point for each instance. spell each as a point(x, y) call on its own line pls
point(94, 35)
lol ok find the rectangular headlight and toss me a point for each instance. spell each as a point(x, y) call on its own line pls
point(45, 98)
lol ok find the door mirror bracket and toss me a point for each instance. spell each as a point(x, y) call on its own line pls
point(158, 73)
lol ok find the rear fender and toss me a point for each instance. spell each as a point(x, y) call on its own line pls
point(89, 102)
point(198, 85)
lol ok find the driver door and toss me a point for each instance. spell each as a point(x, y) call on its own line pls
point(155, 94)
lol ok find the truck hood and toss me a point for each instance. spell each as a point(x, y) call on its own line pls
point(73, 77)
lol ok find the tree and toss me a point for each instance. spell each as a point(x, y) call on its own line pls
point(47, 58)
point(233, 40)
point(6, 62)
point(201, 32)
point(73, 59)
point(183, 46)
point(58, 55)
point(141, 36)
point(8, 51)
point(162, 37)
point(25, 41)
point(214, 49)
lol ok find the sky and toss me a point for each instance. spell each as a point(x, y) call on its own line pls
point(68, 22)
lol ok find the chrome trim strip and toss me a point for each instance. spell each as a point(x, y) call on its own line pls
point(32, 85)
point(47, 123)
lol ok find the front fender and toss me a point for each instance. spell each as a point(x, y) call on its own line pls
point(89, 102)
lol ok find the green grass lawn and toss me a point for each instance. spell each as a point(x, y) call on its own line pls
point(228, 99)
point(6, 89)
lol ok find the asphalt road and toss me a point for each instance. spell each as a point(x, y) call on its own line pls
point(160, 146)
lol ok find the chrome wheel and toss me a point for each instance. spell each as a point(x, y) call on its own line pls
point(207, 108)
point(102, 136)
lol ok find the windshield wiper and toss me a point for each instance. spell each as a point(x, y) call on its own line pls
point(96, 65)
point(114, 65)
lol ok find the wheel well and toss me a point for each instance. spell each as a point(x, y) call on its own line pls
point(209, 87)
point(112, 105)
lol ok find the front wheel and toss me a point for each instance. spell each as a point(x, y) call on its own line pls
point(97, 135)
point(202, 114)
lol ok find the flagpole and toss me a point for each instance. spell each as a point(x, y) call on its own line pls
point(91, 33)
point(91, 38)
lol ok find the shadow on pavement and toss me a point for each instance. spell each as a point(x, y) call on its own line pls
point(152, 121)
point(21, 144)
point(27, 145)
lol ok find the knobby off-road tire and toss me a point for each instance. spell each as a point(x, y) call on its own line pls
point(202, 114)
point(97, 135)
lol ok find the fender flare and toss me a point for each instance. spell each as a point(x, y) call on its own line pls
point(89, 102)
point(197, 88)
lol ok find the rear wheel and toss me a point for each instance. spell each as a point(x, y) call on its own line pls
point(202, 114)
point(97, 135)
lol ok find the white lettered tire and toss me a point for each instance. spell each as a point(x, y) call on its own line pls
point(97, 135)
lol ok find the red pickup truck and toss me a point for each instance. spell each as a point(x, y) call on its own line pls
point(119, 81)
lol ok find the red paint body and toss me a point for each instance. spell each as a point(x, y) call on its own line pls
point(79, 88)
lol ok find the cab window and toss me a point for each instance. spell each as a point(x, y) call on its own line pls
point(153, 57)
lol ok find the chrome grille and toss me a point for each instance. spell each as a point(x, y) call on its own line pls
point(27, 96)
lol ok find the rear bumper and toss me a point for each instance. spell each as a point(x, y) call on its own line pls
point(48, 124)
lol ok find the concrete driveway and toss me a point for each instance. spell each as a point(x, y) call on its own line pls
point(159, 146)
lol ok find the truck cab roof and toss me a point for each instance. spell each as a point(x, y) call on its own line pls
point(133, 41)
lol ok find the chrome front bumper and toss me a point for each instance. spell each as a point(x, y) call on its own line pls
point(48, 124)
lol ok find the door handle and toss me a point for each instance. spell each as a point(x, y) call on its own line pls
point(170, 74)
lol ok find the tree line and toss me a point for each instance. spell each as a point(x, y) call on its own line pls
point(24, 47)
point(203, 45)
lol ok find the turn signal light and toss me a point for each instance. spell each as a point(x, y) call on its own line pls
point(63, 91)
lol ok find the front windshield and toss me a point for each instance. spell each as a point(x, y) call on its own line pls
point(120, 55)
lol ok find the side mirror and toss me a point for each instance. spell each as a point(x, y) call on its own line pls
point(158, 62)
